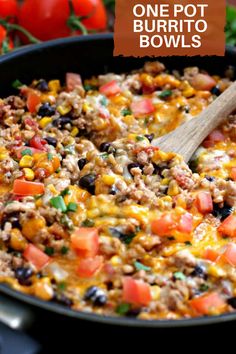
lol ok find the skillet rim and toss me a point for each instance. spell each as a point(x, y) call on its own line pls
point(92, 317)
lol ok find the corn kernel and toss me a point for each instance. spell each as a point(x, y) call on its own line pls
point(116, 261)
point(52, 189)
point(44, 122)
point(26, 161)
point(32, 226)
point(74, 132)
point(120, 100)
point(43, 289)
point(17, 241)
point(29, 174)
point(86, 107)
point(173, 188)
point(39, 203)
point(165, 181)
point(63, 110)
point(54, 85)
point(189, 92)
point(129, 119)
point(155, 292)
point(216, 271)
point(108, 180)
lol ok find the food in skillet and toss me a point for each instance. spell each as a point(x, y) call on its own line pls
point(94, 217)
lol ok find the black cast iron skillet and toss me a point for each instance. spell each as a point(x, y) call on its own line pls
point(91, 55)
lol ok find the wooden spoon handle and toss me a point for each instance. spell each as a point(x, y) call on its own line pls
point(185, 139)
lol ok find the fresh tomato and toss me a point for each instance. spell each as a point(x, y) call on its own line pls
point(35, 256)
point(208, 304)
point(85, 241)
point(204, 202)
point(47, 19)
point(89, 266)
point(229, 255)
point(233, 173)
point(8, 8)
point(6, 43)
point(22, 187)
point(185, 224)
point(33, 100)
point(72, 81)
point(164, 225)
point(211, 255)
point(142, 107)
point(136, 292)
point(203, 82)
point(228, 226)
point(214, 137)
point(110, 89)
point(38, 143)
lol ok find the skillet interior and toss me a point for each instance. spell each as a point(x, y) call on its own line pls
point(90, 56)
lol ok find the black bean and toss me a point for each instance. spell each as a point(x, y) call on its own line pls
point(113, 190)
point(23, 274)
point(42, 86)
point(100, 300)
point(46, 110)
point(230, 72)
point(133, 165)
point(61, 122)
point(13, 218)
point(107, 147)
point(216, 91)
point(51, 141)
point(232, 302)
point(133, 312)
point(96, 295)
point(150, 137)
point(222, 213)
point(88, 182)
point(90, 292)
point(81, 163)
point(63, 300)
point(210, 178)
point(199, 272)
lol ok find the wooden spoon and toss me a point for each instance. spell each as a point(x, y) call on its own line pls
point(186, 139)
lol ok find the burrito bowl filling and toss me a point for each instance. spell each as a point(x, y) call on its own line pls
point(96, 218)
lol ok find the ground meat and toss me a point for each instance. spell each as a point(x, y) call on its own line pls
point(183, 259)
point(6, 265)
point(154, 67)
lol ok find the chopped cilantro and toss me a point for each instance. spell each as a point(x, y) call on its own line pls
point(126, 112)
point(126, 238)
point(140, 138)
point(50, 156)
point(64, 250)
point(49, 250)
point(26, 152)
point(104, 155)
point(103, 101)
point(140, 266)
point(203, 287)
point(72, 206)
point(88, 223)
point(62, 286)
point(122, 309)
point(65, 192)
point(165, 94)
point(17, 84)
point(179, 276)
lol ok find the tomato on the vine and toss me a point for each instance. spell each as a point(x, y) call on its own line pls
point(8, 8)
point(6, 43)
point(47, 19)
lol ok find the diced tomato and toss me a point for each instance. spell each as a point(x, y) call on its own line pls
point(207, 304)
point(103, 112)
point(136, 292)
point(35, 256)
point(229, 255)
point(33, 100)
point(204, 202)
point(21, 149)
point(142, 107)
point(85, 241)
point(203, 82)
point(38, 143)
point(211, 255)
point(213, 138)
point(233, 173)
point(110, 89)
point(72, 81)
point(186, 223)
point(89, 266)
point(32, 123)
point(164, 225)
point(28, 188)
point(228, 226)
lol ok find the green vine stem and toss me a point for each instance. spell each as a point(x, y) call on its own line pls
point(14, 27)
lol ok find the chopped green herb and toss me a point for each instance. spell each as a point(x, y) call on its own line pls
point(65, 192)
point(179, 276)
point(17, 84)
point(140, 266)
point(72, 206)
point(88, 223)
point(58, 170)
point(126, 112)
point(69, 149)
point(122, 309)
point(67, 222)
point(26, 152)
point(62, 286)
point(203, 287)
point(165, 94)
point(140, 138)
point(49, 250)
point(126, 238)
point(88, 87)
point(188, 243)
point(37, 197)
point(103, 101)
point(50, 156)
point(58, 203)
point(104, 155)
point(64, 250)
